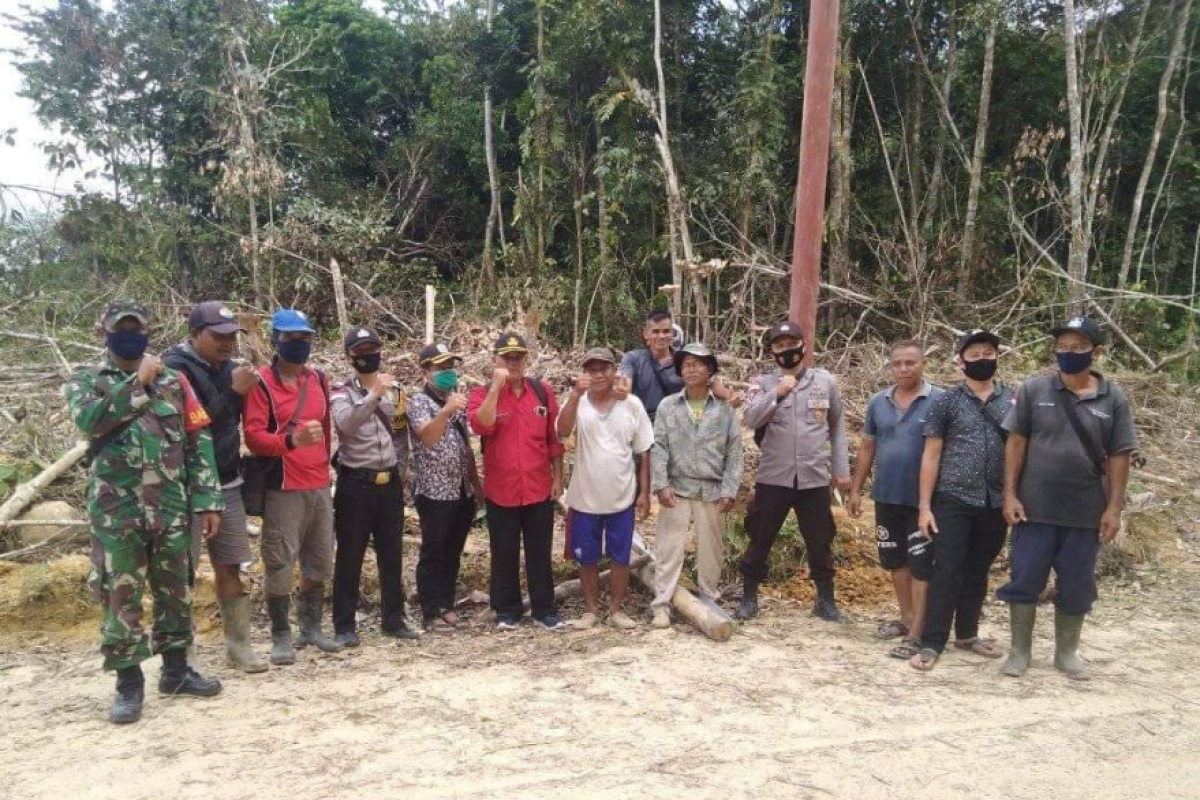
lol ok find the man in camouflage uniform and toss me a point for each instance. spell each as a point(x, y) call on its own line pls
point(152, 467)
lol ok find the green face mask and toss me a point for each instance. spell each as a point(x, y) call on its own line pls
point(445, 380)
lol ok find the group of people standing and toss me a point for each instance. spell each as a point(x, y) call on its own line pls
point(952, 469)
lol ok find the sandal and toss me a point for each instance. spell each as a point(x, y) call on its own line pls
point(451, 618)
point(925, 659)
point(438, 625)
point(980, 647)
point(890, 630)
point(906, 649)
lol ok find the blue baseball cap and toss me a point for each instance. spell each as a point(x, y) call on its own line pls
point(289, 320)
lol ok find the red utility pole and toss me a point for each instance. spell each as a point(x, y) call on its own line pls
point(814, 166)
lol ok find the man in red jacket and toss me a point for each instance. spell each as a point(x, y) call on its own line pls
point(287, 418)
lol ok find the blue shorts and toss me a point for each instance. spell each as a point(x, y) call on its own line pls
point(588, 529)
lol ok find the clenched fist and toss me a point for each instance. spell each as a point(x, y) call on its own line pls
point(244, 378)
point(582, 384)
point(786, 384)
point(499, 377)
point(456, 402)
point(149, 369)
point(308, 433)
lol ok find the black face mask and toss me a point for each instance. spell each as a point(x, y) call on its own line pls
point(790, 358)
point(981, 370)
point(127, 345)
point(367, 364)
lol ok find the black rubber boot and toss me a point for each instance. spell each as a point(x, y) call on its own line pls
point(180, 680)
point(131, 692)
point(309, 605)
point(749, 606)
point(826, 607)
point(1020, 653)
point(282, 651)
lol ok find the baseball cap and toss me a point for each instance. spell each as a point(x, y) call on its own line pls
point(436, 354)
point(214, 316)
point(289, 320)
point(358, 336)
point(977, 335)
point(1086, 327)
point(698, 351)
point(599, 354)
point(785, 328)
point(118, 310)
point(510, 343)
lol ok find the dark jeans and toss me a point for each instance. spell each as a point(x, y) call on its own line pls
point(968, 540)
point(1071, 552)
point(507, 528)
point(363, 511)
point(765, 517)
point(444, 528)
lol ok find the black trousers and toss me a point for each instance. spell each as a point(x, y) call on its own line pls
point(968, 540)
point(508, 527)
point(444, 528)
point(766, 516)
point(363, 512)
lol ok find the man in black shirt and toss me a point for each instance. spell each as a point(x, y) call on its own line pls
point(206, 358)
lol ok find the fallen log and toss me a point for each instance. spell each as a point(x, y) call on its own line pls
point(26, 492)
point(708, 619)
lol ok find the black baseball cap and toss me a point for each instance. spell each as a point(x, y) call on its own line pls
point(977, 335)
point(436, 354)
point(510, 343)
point(215, 316)
point(358, 336)
point(1086, 327)
point(785, 328)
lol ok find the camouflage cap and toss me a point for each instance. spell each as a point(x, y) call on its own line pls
point(118, 310)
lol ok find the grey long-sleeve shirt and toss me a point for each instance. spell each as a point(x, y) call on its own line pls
point(364, 441)
point(802, 430)
point(698, 460)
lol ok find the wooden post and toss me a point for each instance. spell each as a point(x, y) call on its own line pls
point(339, 295)
point(814, 167)
point(430, 296)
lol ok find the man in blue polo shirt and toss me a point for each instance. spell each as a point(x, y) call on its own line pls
point(1071, 440)
point(893, 438)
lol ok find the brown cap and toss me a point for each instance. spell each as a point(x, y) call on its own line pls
point(599, 354)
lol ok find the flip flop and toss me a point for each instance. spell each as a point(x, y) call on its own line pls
point(980, 647)
point(892, 629)
point(906, 649)
point(924, 660)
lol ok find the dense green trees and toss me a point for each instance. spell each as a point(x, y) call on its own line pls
point(244, 143)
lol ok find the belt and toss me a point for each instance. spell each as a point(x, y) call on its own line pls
point(377, 477)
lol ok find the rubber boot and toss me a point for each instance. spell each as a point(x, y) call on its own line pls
point(825, 606)
point(309, 604)
point(282, 651)
point(235, 618)
point(131, 692)
point(1020, 653)
point(180, 680)
point(749, 606)
point(1067, 628)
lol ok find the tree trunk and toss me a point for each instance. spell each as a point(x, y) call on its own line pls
point(936, 178)
point(580, 187)
point(681, 242)
point(24, 494)
point(1077, 261)
point(494, 219)
point(966, 263)
point(1164, 85)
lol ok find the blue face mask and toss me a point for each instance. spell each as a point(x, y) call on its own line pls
point(127, 345)
point(1074, 363)
point(294, 351)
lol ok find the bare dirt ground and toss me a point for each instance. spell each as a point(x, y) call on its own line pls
point(790, 708)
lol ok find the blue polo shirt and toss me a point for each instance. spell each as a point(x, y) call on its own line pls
point(899, 442)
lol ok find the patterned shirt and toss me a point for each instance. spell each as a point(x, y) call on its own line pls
point(441, 472)
point(972, 467)
point(702, 460)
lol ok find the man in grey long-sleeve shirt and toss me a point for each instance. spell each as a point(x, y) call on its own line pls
point(799, 426)
point(369, 415)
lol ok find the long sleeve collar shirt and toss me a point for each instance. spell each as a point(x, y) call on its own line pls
point(696, 459)
point(370, 436)
point(805, 431)
point(519, 446)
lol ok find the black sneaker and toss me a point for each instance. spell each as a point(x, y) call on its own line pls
point(507, 623)
point(347, 639)
point(551, 622)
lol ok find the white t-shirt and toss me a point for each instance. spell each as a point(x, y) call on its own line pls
point(604, 480)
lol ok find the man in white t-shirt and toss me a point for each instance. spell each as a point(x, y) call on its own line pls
point(601, 496)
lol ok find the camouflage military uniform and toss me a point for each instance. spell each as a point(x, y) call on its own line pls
point(143, 488)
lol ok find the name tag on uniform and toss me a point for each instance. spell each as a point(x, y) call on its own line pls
point(818, 398)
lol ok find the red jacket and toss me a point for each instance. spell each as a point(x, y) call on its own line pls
point(518, 448)
point(270, 406)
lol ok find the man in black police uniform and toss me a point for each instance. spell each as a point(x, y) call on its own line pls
point(1070, 444)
